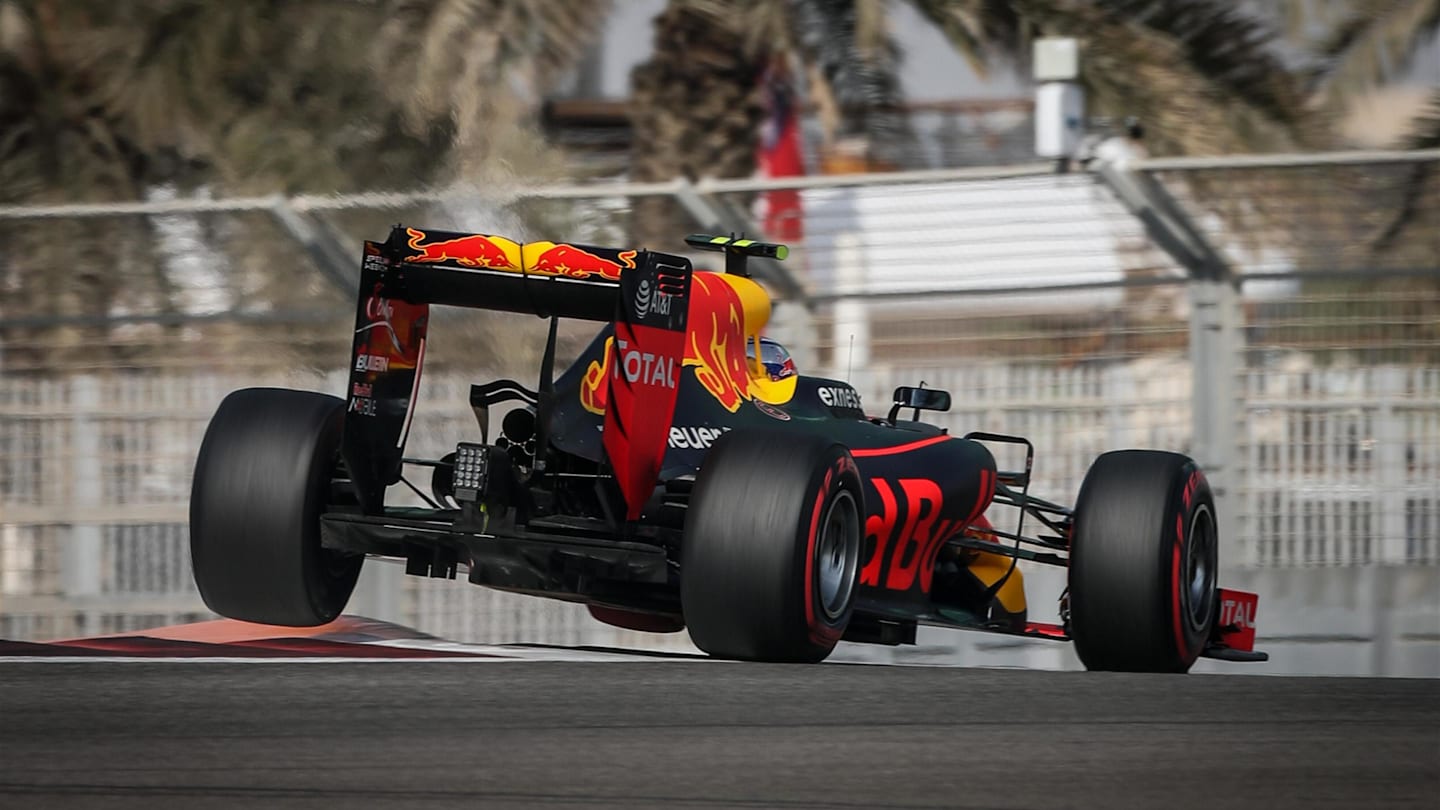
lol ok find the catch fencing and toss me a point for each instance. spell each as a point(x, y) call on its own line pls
point(1048, 304)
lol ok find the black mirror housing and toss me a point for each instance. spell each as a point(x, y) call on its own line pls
point(921, 399)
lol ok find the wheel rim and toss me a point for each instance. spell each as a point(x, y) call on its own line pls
point(1199, 568)
point(837, 554)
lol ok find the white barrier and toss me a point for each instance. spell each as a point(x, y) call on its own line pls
point(96, 474)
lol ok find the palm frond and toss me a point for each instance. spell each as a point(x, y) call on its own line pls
point(1203, 74)
point(858, 64)
point(1425, 130)
point(473, 66)
point(983, 31)
point(1196, 72)
point(1421, 186)
point(696, 101)
point(1302, 21)
point(56, 144)
point(1376, 43)
point(1231, 49)
point(695, 108)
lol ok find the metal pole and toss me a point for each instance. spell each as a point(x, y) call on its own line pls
point(81, 558)
point(1214, 355)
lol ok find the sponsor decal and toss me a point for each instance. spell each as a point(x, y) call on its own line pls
point(466, 251)
point(714, 346)
point(379, 309)
point(379, 312)
point(838, 397)
point(372, 362)
point(388, 332)
point(1190, 485)
point(695, 438)
point(648, 298)
point(908, 530)
point(772, 411)
point(645, 367)
point(362, 406)
point(572, 261)
point(362, 389)
point(1237, 619)
point(539, 258)
point(1239, 614)
point(642, 299)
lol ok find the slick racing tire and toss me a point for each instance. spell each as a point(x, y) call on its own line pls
point(262, 480)
point(771, 552)
point(1143, 563)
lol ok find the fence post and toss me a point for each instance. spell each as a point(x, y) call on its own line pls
point(1214, 401)
point(80, 558)
point(1390, 467)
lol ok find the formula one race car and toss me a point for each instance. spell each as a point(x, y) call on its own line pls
point(681, 474)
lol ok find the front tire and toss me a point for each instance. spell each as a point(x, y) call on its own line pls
point(262, 480)
point(771, 552)
point(1143, 563)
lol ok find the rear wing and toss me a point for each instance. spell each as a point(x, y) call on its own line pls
point(645, 294)
point(492, 272)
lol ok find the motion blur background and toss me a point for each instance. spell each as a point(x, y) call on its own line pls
point(1254, 279)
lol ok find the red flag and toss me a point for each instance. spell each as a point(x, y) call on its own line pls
point(780, 156)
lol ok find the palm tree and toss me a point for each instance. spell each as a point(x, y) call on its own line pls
point(325, 95)
point(1375, 44)
point(1201, 74)
point(696, 104)
point(103, 101)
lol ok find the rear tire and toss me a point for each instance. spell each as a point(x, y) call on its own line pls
point(1143, 563)
point(771, 552)
point(262, 480)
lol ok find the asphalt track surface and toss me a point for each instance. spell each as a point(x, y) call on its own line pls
point(703, 734)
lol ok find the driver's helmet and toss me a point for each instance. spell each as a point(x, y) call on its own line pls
point(774, 357)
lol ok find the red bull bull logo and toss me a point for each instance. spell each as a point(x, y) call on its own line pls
point(569, 261)
point(540, 258)
point(495, 253)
